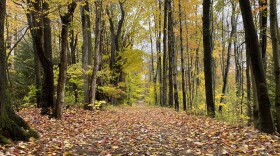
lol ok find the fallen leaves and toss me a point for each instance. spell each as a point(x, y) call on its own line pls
point(139, 130)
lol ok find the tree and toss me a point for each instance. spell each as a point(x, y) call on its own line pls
point(265, 117)
point(207, 41)
point(263, 29)
point(158, 48)
point(11, 124)
point(97, 51)
point(86, 50)
point(41, 43)
point(65, 19)
point(276, 56)
point(182, 59)
point(227, 67)
point(173, 86)
point(115, 44)
point(164, 73)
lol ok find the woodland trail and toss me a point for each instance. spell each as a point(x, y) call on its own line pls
point(139, 130)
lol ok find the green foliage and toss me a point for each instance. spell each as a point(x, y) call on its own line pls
point(74, 76)
point(132, 60)
point(134, 87)
point(132, 65)
point(23, 74)
point(29, 99)
point(111, 91)
point(98, 105)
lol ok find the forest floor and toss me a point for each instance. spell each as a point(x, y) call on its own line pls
point(139, 130)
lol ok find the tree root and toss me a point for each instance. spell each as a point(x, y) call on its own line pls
point(14, 127)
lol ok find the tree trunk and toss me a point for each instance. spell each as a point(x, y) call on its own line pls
point(170, 46)
point(249, 105)
point(73, 46)
point(158, 47)
point(65, 19)
point(173, 88)
point(115, 46)
point(38, 82)
point(36, 23)
point(153, 73)
point(97, 52)
point(182, 60)
point(263, 30)
point(11, 125)
point(164, 84)
point(208, 59)
point(85, 53)
point(227, 66)
point(265, 117)
point(276, 57)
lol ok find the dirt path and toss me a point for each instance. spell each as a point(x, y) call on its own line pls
point(140, 130)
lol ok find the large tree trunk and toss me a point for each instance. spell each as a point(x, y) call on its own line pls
point(208, 59)
point(265, 117)
point(97, 51)
point(65, 19)
point(36, 23)
point(276, 57)
point(11, 125)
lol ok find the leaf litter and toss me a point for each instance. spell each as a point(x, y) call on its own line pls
point(139, 130)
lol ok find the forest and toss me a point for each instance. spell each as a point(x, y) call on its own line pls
point(139, 77)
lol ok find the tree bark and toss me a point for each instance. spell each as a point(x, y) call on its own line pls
point(115, 46)
point(249, 104)
point(153, 72)
point(36, 26)
point(173, 86)
point(85, 52)
point(65, 19)
point(182, 59)
point(73, 46)
point(11, 125)
point(265, 116)
point(208, 59)
point(97, 51)
point(263, 29)
point(159, 54)
point(164, 84)
point(276, 57)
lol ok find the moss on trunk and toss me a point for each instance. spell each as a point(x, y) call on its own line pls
point(14, 127)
